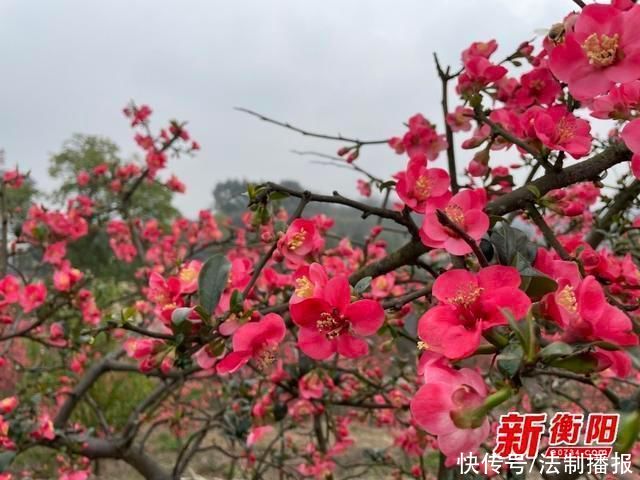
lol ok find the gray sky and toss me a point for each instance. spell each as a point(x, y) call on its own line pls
point(360, 68)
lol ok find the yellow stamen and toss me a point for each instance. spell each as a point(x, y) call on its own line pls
point(601, 50)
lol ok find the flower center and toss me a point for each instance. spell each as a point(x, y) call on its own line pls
point(332, 324)
point(565, 130)
point(188, 274)
point(466, 296)
point(297, 240)
point(455, 214)
point(536, 85)
point(601, 50)
point(567, 299)
point(265, 357)
point(422, 188)
point(304, 287)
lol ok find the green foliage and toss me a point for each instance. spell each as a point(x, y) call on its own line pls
point(150, 200)
point(84, 153)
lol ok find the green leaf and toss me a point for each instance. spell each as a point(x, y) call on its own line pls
point(362, 285)
point(212, 282)
point(5, 460)
point(509, 360)
point(237, 299)
point(554, 350)
point(583, 363)
point(274, 196)
point(509, 241)
point(533, 189)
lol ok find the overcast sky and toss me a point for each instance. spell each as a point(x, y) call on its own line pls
point(360, 68)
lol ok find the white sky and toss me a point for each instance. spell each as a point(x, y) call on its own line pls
point(356, 67)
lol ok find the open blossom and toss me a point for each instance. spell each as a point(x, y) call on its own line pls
point(333, 323)
point(420, 187)
point(254, 340)
point(447, 394)
point(32, 296)
point(580, 308)
point(7, 405)
point(465, 210)
point(558, 129)
point(298, 241)
point(421, 138)
point(478, 73)
point(309, 281)
point(603, 49)
point(537, 87)
point(470, 303)
point(631, 137)
point(460, 119)
point(619, 103)
point(480, 49)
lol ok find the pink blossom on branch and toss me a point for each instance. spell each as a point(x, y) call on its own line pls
point(470, 304)
point(332, 323)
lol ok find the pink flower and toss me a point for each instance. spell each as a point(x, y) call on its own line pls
point(537, 87)
point(619, 103)
point(582, 311)
point(421, 138)
point(257, 433)
point(558, 129)
point(54, 254)
point(479, 49)
point(65, 277)
point(309, 282)
point(333, 324)
point(470, 303)
point(45, 428)
point(478, 73)
point(83, 178)
point(32, 296)
point(460, 119)
point(421, 188)
point(9, 290)
point(465, 210)
point(364, 188)
point(446, 395)
point(7, 405)
point(254, 340)
point(631, 137)
point(298, 241)
point(188, 276)
point(603, 49)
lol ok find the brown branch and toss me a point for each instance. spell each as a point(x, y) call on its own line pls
point(450, 224)
point(621, 202)
point(548, 234)
point(307, 133)
point(451, 154)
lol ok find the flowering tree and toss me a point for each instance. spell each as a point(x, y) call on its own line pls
point(267, 348)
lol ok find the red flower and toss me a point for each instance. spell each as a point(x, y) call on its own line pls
point(631, 137)
point(420, 187)
point(32, 296)
point(478, 73)
point(298, 241)
point(537, 86)
point(421, 138)
point(581, 309)
point(254, 340)
point(447, 394)
point(465, 210)
point(603, 49)
point(558, 129)
point(332, 323)
point(470, 303)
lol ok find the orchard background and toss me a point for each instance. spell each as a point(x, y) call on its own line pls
point(302, 331)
